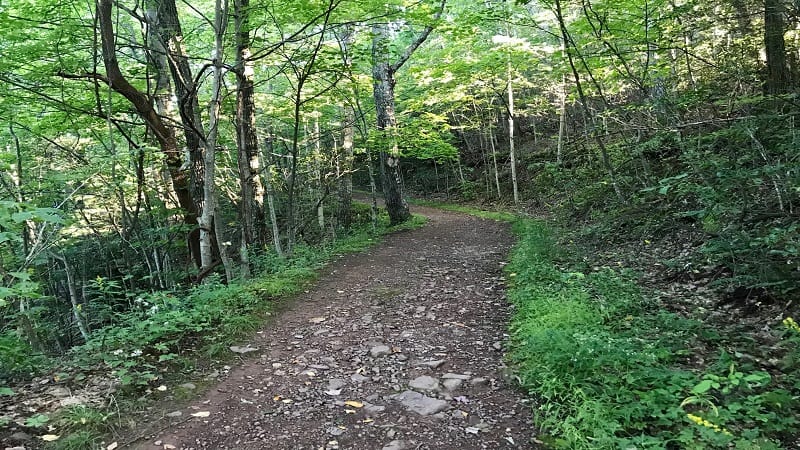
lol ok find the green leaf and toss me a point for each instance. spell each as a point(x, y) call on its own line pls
point(6, 391)
point(702, 387)
point(36, 421)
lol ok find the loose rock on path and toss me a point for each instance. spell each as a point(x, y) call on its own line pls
point(396, 348)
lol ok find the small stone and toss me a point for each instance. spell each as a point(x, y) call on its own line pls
point(380, 350)
point(73, 401)
point(15, 448)
point(432, 364)
point(401, 357)
point(479, 381)
point(242, 349)
point(421, 404)
point(391, 433)
point(424, 383)
point(370, 408)
point(459, 414)
point(188, 386)
point(174, 414)
point(452, 384)
point(157, 443)
point(455, 376)
point(336, 383)
point(336, 431)
point(396, 445)
point(358, 378)
point(497, 346)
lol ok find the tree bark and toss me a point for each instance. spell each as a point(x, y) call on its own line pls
point(207, 222)
point(383, 83)
point(276, 236)
point(251, 210)
point(774, 27)
point(167, 26)
point(511, 152)
point(389, 160)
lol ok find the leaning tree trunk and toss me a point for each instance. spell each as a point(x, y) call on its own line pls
point(164, 134)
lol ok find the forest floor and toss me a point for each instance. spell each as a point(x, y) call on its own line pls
point(399, 347)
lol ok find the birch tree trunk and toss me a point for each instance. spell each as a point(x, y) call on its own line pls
point(511, 152)
point(273, 217)
point(207, 228)
point(77, 314)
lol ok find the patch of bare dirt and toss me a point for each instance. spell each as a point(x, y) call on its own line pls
point(400, 347)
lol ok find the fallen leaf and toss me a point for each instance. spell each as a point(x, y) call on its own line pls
point(472, 430)
point(276, 398)
point(334, 392)
point(354, 404)
point(50, 437)
point(169, 447)
point(161, 388)
point(317, 320)
point(349, 411)
point(287, 401)
point(201, 414)
point(368, 420)
point(112, 446)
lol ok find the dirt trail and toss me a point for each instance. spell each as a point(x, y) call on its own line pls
point(395, 348)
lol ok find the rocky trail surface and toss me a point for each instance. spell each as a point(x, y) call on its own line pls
point(399, 347)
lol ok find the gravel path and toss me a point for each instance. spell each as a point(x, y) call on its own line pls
point(396, 348)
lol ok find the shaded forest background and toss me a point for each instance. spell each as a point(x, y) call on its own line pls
point(155, 151)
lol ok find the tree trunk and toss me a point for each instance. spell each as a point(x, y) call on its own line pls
point(383, 92)
point(77, 314)
point(777, 71)
point(165, 135)
point(511, 151)
point(207, 225)
point(251, 214)
point(344, 214)
point(606, 160)
point(318, 174)
point(167, 26)
point(273, 216)
point(494, 162)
